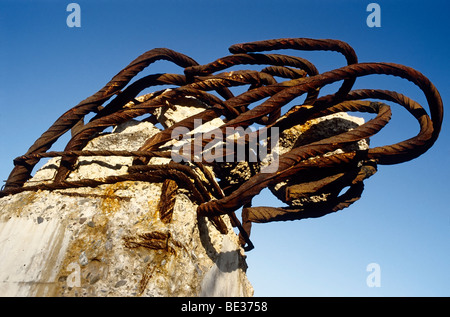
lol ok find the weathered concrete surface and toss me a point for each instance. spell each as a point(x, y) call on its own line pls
point(74, 243)
point(110, 240)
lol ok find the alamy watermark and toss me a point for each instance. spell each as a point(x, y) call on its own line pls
point(374, 278)
point(374, 18)
point(234, 144)
point(74, 278)
point(74, 18)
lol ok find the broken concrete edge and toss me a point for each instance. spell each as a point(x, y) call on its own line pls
point(59, 245)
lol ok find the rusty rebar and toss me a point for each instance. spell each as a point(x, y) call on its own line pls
point(282, 80)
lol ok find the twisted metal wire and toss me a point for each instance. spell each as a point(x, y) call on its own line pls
point(298, 77)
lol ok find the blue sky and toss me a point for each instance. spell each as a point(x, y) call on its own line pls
point(402, 222)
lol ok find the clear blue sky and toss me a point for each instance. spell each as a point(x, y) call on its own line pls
point(402, 221)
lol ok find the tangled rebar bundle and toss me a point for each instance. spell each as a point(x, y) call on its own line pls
point(283, 79)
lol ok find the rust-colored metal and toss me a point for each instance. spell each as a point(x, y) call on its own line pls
point(155, 240)
point(167, 200)
point(332, 172)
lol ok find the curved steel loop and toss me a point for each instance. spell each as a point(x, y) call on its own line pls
point(304, 44)
point(20, 174)
point(251, 59)
point(358, 70)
